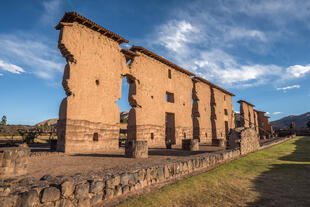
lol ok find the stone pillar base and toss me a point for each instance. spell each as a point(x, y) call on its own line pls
point(219, 142)
point(13, 161)
point(136, 149)
point(190, 144)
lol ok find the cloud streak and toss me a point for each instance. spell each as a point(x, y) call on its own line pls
point(204, 42)
point(29, 52)
point(277, 113)
point(288, 88)
point(52, 10)
point(10, 68)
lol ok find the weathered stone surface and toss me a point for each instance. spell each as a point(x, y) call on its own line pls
point(8, 201)
point(64, 203)
point(67, 188)
point(136, 149)
point(96, 199)
point(96, 187)
point(50, 194)
point(125, 189)
point(112, 182)
point(117, 191)
point(190, 144)
point(13, 161)
point(47, 177)
point(28, 199)
point(244, 138)
point(84, 202)
point(109, 193)
point(124, 179)
point(81, 191)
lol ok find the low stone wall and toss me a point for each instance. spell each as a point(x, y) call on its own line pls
point(100, 188)
point(13, 161)
point(190, 144)
point(246, 139)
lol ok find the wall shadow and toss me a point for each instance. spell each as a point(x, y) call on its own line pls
point(174, 152)
point(286, 184)
point(98, 155)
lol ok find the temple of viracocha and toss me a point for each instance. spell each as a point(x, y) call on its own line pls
point(169, 104)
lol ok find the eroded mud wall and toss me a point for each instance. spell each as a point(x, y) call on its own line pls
point(247, 115)
point(148, 93)
point(212, 112)
point(224, 113)
point(89, 117)
point(202, 112)
point(256, 121)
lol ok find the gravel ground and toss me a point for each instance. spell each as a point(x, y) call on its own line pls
point(67, 165)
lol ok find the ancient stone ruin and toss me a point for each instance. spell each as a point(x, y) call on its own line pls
point(168, 103)
point(251, 118)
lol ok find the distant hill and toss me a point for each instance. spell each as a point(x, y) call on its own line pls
point(300, 121)
point(52, 122)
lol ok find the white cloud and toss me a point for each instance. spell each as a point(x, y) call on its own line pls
point(11, 67)
point(267, 113)
point(298, 70)
point(277, 113)
point(51, 11)
point(31, 52)
point(181, 39)
point(288, 87)
point(175, 34)
point(199, 39)
point(240, 33)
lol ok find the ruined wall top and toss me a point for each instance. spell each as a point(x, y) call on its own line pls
point(71, 17)
point(160, 59)
point(259, 112)
point(212, 85)
point(242, 101)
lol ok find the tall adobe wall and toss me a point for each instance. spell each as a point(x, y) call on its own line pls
point(148, 99)
point(248, 117)
point(223, 102)
point(202, 112)
point(88, 116)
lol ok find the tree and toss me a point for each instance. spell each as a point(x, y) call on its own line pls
point(3, 120)
point(293, 128)
point(293, 125)
point(308, 124)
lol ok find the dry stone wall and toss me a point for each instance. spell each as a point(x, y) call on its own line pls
point(246, 139)
point(13, 161)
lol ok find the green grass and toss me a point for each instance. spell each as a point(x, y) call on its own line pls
point(278, 176)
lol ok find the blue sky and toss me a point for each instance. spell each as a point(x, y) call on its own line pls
point(259, 50)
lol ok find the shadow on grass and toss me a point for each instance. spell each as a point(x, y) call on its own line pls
point(286, 184)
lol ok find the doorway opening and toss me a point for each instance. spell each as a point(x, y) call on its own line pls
point(124, 107)
point(170, 128)
point(226, 129)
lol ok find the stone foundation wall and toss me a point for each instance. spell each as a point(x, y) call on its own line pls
point(80, 136)
point(246, 139)
point(153, 134)
point(13, 161)
point(100, 188)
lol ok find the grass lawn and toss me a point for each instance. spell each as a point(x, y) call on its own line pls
point(278, 176)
